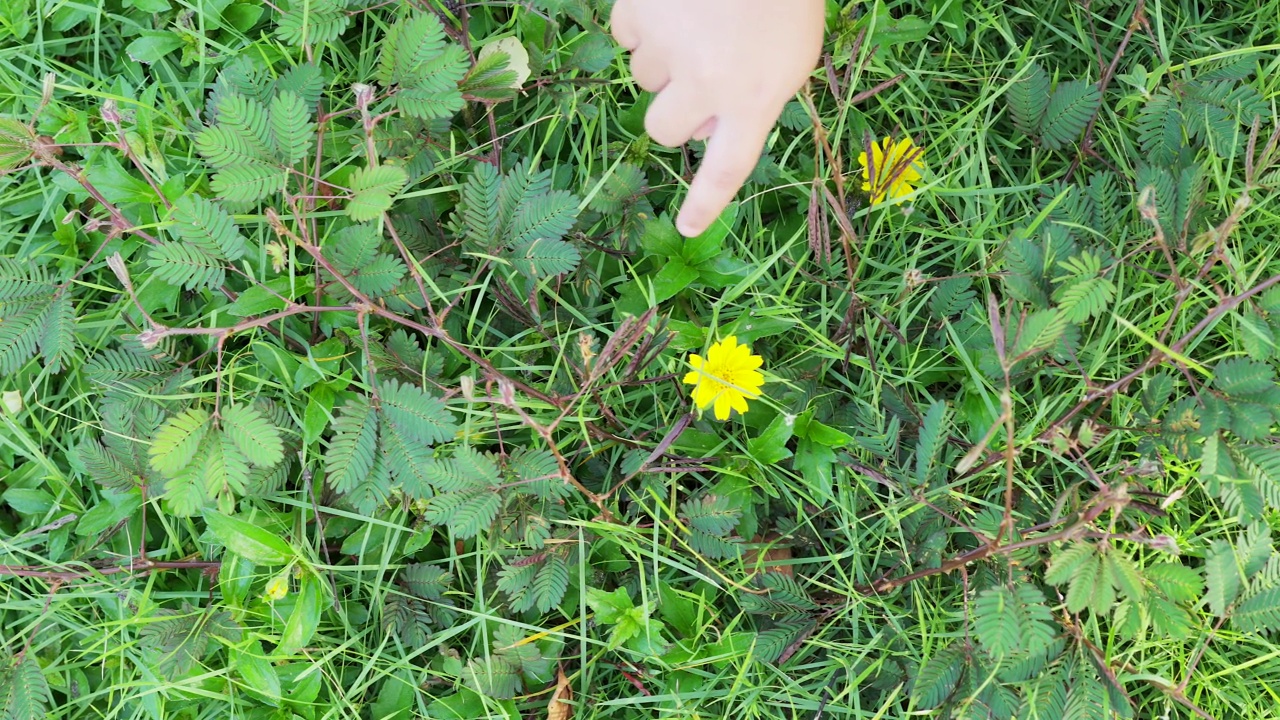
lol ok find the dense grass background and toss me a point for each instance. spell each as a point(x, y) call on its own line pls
point(1017, 459)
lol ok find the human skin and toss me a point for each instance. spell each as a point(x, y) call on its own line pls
point(722, 71)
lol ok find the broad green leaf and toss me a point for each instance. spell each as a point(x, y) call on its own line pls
point(770, 446)
point(671, 279)
point(249, 541)
point(257, 672)
point(305, 618)
point(153, 45)
point(709, 244)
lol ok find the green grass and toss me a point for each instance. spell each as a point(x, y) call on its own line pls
point(1110, 475)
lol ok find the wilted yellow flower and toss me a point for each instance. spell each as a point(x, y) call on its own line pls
point(896, 167)
point(278, 587)
point(727, 378)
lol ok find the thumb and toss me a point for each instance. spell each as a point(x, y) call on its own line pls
point(732, 153)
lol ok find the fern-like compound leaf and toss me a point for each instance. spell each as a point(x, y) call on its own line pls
point(253, 434)
point(429, 582)
point(178, 440)
point(1160, 128)
point(541, 257)
point(57, 337)
point(423, 418)
point(186, 265)
point(349, 458)
point(206, 224)
point(1013, 620)
point(1071, 106)
point(292, 131)
point(550, 583)
point(248, 183)
point(373, 189)
point(408, 46)
point(1029, 98)
point(478, 212)
point(28, 691)
point(713, 514)
point(313, 22)
point(938, 677)
point(546, 217)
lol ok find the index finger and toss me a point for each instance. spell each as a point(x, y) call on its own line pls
point(732, 154)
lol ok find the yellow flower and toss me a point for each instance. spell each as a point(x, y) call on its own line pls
point(897, 167)
point(727, 378)
point(278, 587)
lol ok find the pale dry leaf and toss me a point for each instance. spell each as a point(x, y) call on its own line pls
point(559, 707)
point(518, 57)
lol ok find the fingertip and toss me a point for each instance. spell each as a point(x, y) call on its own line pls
point(621, 25)
point(690, 224)
point(732, 153)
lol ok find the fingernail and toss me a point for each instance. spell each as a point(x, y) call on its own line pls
point(687, 227)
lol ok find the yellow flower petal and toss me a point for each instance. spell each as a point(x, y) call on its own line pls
point(723, 406)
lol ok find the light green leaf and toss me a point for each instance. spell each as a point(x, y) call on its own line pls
point(253, 434)
point(177, 441)
point(249, 541)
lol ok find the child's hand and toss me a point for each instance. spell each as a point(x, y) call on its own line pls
point(723, 69)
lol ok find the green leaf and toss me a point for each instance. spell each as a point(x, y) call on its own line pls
point(592, 52)
point(712, 514)
point(1013, 620)
point(313, 22)
point(256, 670)
point(373, 190)
point(423, 418)
point(933, 435)
point(410, 44)
point(661, 237)
point(770, 446)
point(1072, 105)
point(246, 117)
point(28, 691)
point(17, 143)
point(152, 45)
point(1040, 331)
point(349, 458)
point(248, 183)
point(1160, 128)
point(426, 581)
point(253, 434)
point(710, 242)
point(550, 583)
point(1029, 99)
point(466, 512)
point(58, 339)
point(177, 441)
point(938, 677)
point(204, 223)
point(249, 541)
point(291, 128)
point(671, 279)
point(1222, 577)
point(305, 618)
point(548, 217)
point(1242, 378)
point(544, 258)
point(428, 103)
point(186, 265)
point(1256, 335)
point(609, 607)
